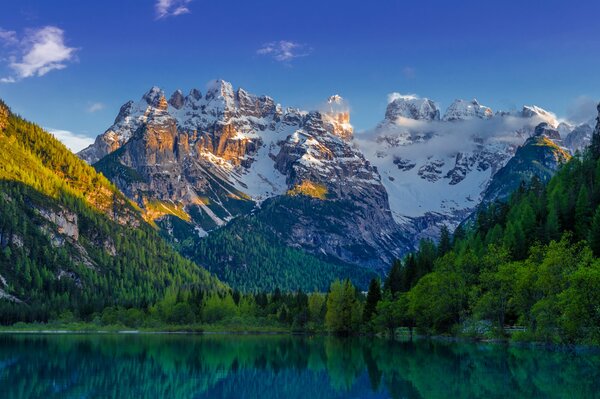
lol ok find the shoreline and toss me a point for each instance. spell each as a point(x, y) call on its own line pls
point(574, 348)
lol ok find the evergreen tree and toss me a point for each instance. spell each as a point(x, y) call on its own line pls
point(445, 245)
point(552, 224)
point(582, 213)
point(343, 309)
point(393, 281)
point(409, 273)
point(594, 235)
point(373, 297)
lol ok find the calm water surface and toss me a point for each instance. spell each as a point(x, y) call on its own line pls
point(192, 366)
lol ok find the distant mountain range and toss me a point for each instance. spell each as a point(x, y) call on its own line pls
point(194, 163)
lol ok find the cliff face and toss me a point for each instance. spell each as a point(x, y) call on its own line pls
point(539, 157)
point(209, 158)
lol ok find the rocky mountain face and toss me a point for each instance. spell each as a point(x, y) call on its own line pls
point(437, 171)
point(207, 158)
point(540, 156)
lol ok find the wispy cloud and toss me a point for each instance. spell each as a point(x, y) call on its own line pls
point(284, 50)
point(441, 138)
point(582, 109)
point(8, 37)
point(95, 107)
point(395, 96)
point(75, 142)
point(171, 8)
point(40, 51)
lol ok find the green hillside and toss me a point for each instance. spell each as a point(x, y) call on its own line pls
point(250, 255)
point(69, 240)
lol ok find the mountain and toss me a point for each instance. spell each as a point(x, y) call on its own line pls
point(69, 240)
point(578, 137)
point(193, 163)
point(461, 110)
point(208, 158)
point(437, 171)
point(539, 157)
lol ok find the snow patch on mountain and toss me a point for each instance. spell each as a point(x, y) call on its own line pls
point(465, 110)
point(435, 171)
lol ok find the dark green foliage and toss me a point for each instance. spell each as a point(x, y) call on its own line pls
point(594, 233)
point(373, 298)
point(530, 262)
point(445, 244)
point(250, 256)
point(344, 310)
point(393, 281)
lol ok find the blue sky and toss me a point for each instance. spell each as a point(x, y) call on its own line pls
point(70, 65)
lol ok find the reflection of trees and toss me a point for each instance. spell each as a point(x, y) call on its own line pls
point(344, 362)
point(281, 366)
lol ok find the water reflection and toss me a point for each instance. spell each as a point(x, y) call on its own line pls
point(160, 366)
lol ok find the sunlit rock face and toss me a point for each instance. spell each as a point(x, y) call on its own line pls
point(219, 155)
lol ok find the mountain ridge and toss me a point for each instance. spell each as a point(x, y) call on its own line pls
point(208, 158)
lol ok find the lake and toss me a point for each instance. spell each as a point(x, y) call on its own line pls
point(249, 366)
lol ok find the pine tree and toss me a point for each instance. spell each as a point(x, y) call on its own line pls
point(373, 298)
point(552, 224)
point(594, 236)
point(393, 281)
point(582, 213)
point(445, 245)
point(409, 273)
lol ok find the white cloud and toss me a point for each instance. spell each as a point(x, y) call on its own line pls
point(395, 96)
point(447, 138)
point(73, 141)
point(95, 107)
point(283, 50)
point(41, 50)
point(8, 37)
point(171, 8)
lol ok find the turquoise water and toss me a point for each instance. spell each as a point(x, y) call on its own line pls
point(233, 366)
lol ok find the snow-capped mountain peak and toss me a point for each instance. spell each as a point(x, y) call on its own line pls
point(411, 107)
point(465, 110)
point(531, 111)
point(155, 97)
